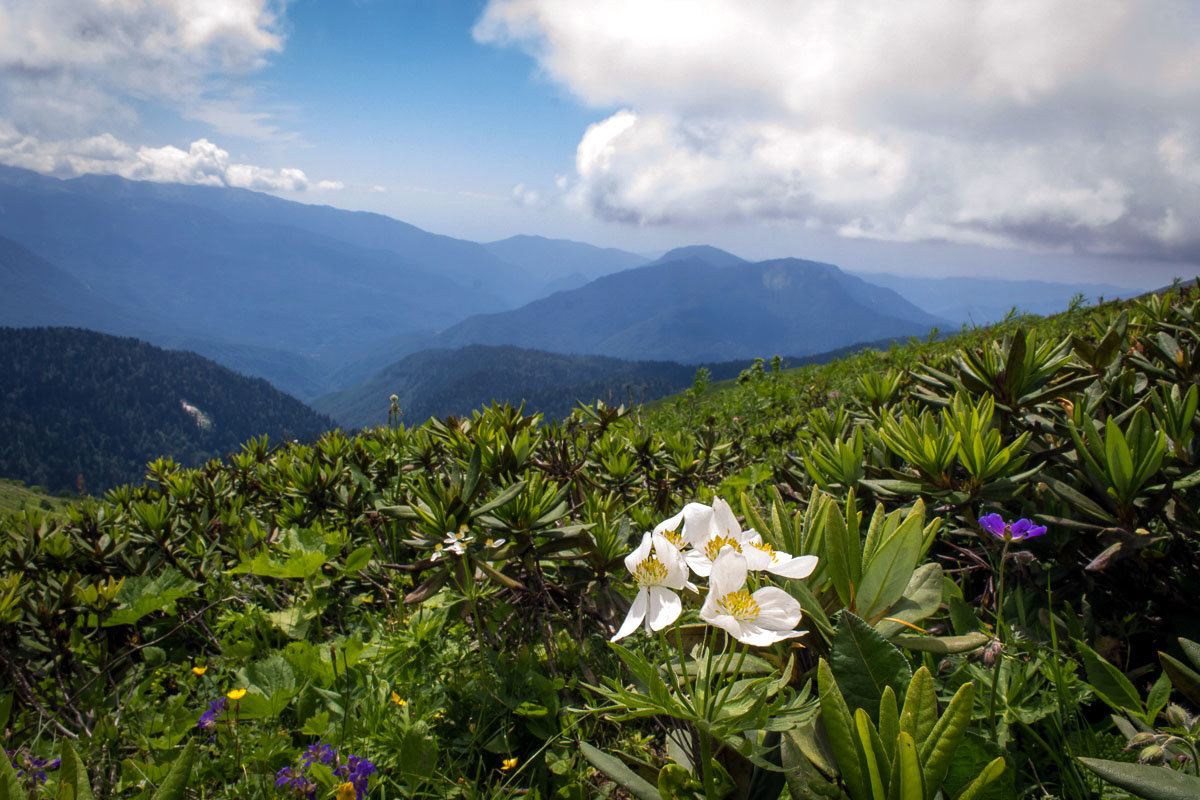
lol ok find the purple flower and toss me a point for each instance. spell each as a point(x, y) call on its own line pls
point(1014, 532)
point(357, 771)
point(28, 765)
point(319, 752)
point(208, 720)
point(296, 781)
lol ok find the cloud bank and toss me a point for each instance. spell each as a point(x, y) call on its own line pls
point(1045, 124)
point(203, 163)
point(66, 64)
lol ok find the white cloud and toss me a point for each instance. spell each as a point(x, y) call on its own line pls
point(525, 196)
point(203, 163)
point(1052, 124)
point(71, 63)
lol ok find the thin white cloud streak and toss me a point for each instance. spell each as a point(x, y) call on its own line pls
point(1047, 124)
point(203, 163)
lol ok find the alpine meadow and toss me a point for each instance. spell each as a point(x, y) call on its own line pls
point(628, 399)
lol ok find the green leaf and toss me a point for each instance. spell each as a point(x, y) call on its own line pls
point(1150, 783)
point(316, 725)
point(1191, 650)
point(10, 785)
point(919, 714)
point(358, 559)
point(619, 773)
point(838, 554)
point(944, 645)
point(921, 598)
point(865, 663)
point(990, 773)
point(887, 573)
point(140, 596)
point(1183, 678)
point(176, 782)
point(943, 741)
point(1110, 683)
point(73, 779)
point(839, 729)
point(908, 770)
point(867, 740)
point(302, 564)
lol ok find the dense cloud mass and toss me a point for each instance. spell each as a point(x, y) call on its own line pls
point(1053, 124)
point(203, 163)
point(66, 64)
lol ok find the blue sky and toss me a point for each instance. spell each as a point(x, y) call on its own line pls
point(1053, 139)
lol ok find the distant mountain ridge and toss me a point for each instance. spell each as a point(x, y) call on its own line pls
point(703, 304)
point(79, 403)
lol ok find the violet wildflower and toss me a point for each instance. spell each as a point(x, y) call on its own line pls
point(1010, 532)
point(296, 781)
point(319, 752)
point(208, 720)
point(357, 770)
point(28, 765)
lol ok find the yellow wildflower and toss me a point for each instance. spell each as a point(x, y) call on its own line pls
point(346, 792)
point(398, 700)
point(199, 670)
point(236, 694)
point(508, 763)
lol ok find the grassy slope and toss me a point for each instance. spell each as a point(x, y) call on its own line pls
point(14, 498)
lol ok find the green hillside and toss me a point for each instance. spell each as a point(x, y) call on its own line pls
point(956, 569)
point(84, 410)
point(15, 497)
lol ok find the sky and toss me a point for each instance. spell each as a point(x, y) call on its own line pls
point(1053, 139)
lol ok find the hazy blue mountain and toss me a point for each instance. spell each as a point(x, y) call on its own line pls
point(697, 305)
point(441, 382)
point(553, 260)
point(981, 301)
point(79, 403)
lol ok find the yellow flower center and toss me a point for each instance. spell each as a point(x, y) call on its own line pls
point(674, 537)
point(650, 572)
point(712, 548)
point(739, 605)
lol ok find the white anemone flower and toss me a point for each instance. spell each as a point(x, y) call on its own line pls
point(726, 531)
point(760, 619)
point(693, 525)
point(660, 571)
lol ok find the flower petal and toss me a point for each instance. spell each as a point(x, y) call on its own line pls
point(993, 524)
point(724, 521)
point(728, 572)
point(665, 608)
point(792, 567)
point(639, 554)
point(637, 612)
point(777, 609)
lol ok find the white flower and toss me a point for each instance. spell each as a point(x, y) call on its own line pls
point(725, 531)
point(692, 525)
point(760, 619)
point(660, 571)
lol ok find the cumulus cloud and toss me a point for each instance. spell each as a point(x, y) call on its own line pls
point(69, 63)
point(203, 163)
point(526, 197)
point(1035, 123)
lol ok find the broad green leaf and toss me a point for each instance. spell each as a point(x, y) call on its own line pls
point(1110, 683)
point(1150, 783)
point(867, 736)
point(919, 713)
point(176, 782)
point(839, 728)
point(140, 595)
point(938, 749)
point(865, 663)
point(838, 554)
point(619, 773)
point(358, 559)
point(890, 568)
point(72, 776)
point(1183, 677)
point(302, 564)
point(922, 597)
